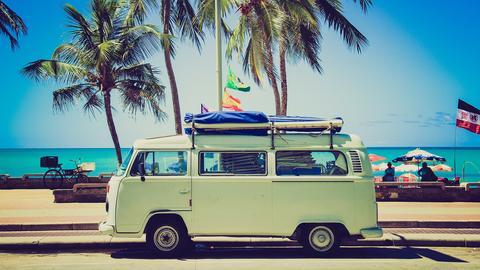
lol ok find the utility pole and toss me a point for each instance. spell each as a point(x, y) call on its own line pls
point(218, 39)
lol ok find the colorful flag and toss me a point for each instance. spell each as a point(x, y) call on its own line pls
point(230, 102)
point(468, 117)
point(234, 83)
point(203, 108)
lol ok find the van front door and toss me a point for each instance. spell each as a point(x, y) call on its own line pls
point(231, 194)
point(165, 186)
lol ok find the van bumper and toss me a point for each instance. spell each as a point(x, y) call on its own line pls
point(374, 232)
point(104, 228)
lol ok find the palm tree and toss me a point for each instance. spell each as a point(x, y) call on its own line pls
point(11, 25)
point(106, 55)
point(258, 27)
point(178, 20)
point(301, 35)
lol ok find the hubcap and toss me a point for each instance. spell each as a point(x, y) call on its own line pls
point(165, 238)
point(321, 238)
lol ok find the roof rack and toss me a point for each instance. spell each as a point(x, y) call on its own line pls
point(256, 123)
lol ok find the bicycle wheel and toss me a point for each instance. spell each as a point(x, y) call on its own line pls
point(53, 179)
point(82, 178)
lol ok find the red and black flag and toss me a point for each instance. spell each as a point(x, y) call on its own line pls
point(468, 117)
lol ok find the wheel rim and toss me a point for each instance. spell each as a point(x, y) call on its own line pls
point(52, 179)
point(321, 238)
point(165, 238)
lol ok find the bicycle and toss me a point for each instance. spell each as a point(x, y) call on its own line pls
point(56, 176)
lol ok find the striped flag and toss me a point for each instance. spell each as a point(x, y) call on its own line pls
point(468, 117)
point(203, 108)
point(234, 82)
point(230, 102)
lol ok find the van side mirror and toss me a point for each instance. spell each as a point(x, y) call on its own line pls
point(141, 171)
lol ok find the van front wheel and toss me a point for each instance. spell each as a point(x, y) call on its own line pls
point(321, 240)
point(167, 238)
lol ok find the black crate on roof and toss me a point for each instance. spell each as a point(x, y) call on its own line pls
point(49, 162)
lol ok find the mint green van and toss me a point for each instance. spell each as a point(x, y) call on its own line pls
point(316, 188)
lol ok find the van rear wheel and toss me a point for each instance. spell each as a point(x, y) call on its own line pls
point(167, 239)
point(321, 240)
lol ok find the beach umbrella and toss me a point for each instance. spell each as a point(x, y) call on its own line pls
point(379, 167)
point(407, 177)
point(441, 168)
point(375, 157)
point(418, 156)
point(406, 168)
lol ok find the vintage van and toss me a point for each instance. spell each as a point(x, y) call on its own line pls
point(292, 177)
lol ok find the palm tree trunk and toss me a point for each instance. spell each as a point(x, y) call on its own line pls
point(283, 77)
point(111, 126)
point(271, 76)
point(171, 74)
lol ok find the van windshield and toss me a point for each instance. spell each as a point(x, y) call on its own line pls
point(121, 170)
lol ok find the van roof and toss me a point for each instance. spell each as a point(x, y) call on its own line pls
point(248, 142)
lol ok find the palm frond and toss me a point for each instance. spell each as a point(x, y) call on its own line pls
point(332, 14)
point(140, 72)
point(206, 12)
point(138, 10)
point(70, 53)
point(93, 103)
point(13, 39)
point(53, 69)
point(65, 98)
point(141, 42)
point(11, 22)
point(188, 25)
point(142, 96)
point(364, 4)
point(81, 28)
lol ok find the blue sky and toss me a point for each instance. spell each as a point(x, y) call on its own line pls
point(401, 91)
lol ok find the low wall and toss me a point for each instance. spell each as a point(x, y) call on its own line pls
point(97, 193)
point(35, 181)
point(91, 192)
point(428, 194)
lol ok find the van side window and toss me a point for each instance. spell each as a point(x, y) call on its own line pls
point(311, 163)
point(251, 163)
point(158, 163)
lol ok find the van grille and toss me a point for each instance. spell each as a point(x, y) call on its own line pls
point(356, 163)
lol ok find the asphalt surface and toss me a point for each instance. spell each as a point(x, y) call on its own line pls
point(371, 258)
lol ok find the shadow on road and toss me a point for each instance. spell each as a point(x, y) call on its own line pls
point(295, 253)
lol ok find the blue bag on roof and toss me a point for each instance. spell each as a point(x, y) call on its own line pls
point(227, 117)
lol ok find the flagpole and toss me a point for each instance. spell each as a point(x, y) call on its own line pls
point(455, 154)
point(218, 39)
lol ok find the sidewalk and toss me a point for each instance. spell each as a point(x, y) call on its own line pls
point(37, 207)
point(70, 240)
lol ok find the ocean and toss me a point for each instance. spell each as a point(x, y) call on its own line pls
point(17, 162)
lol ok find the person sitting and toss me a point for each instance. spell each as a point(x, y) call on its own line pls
point(179, 167)
point(426, 173)
point(389, 173)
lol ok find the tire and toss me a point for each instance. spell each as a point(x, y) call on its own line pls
point(167, 238)
point(82, 178)
point(53, 179)
point(321, 240)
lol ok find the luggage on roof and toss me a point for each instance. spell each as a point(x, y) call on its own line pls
point(256, 123)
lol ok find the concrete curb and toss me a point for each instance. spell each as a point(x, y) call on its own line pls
point(48, 227)
point(136, 245)
point(383, 224)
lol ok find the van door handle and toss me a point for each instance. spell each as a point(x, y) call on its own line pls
point(184, 191)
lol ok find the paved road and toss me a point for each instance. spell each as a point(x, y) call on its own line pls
point(252, 258)
point(37, 207)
